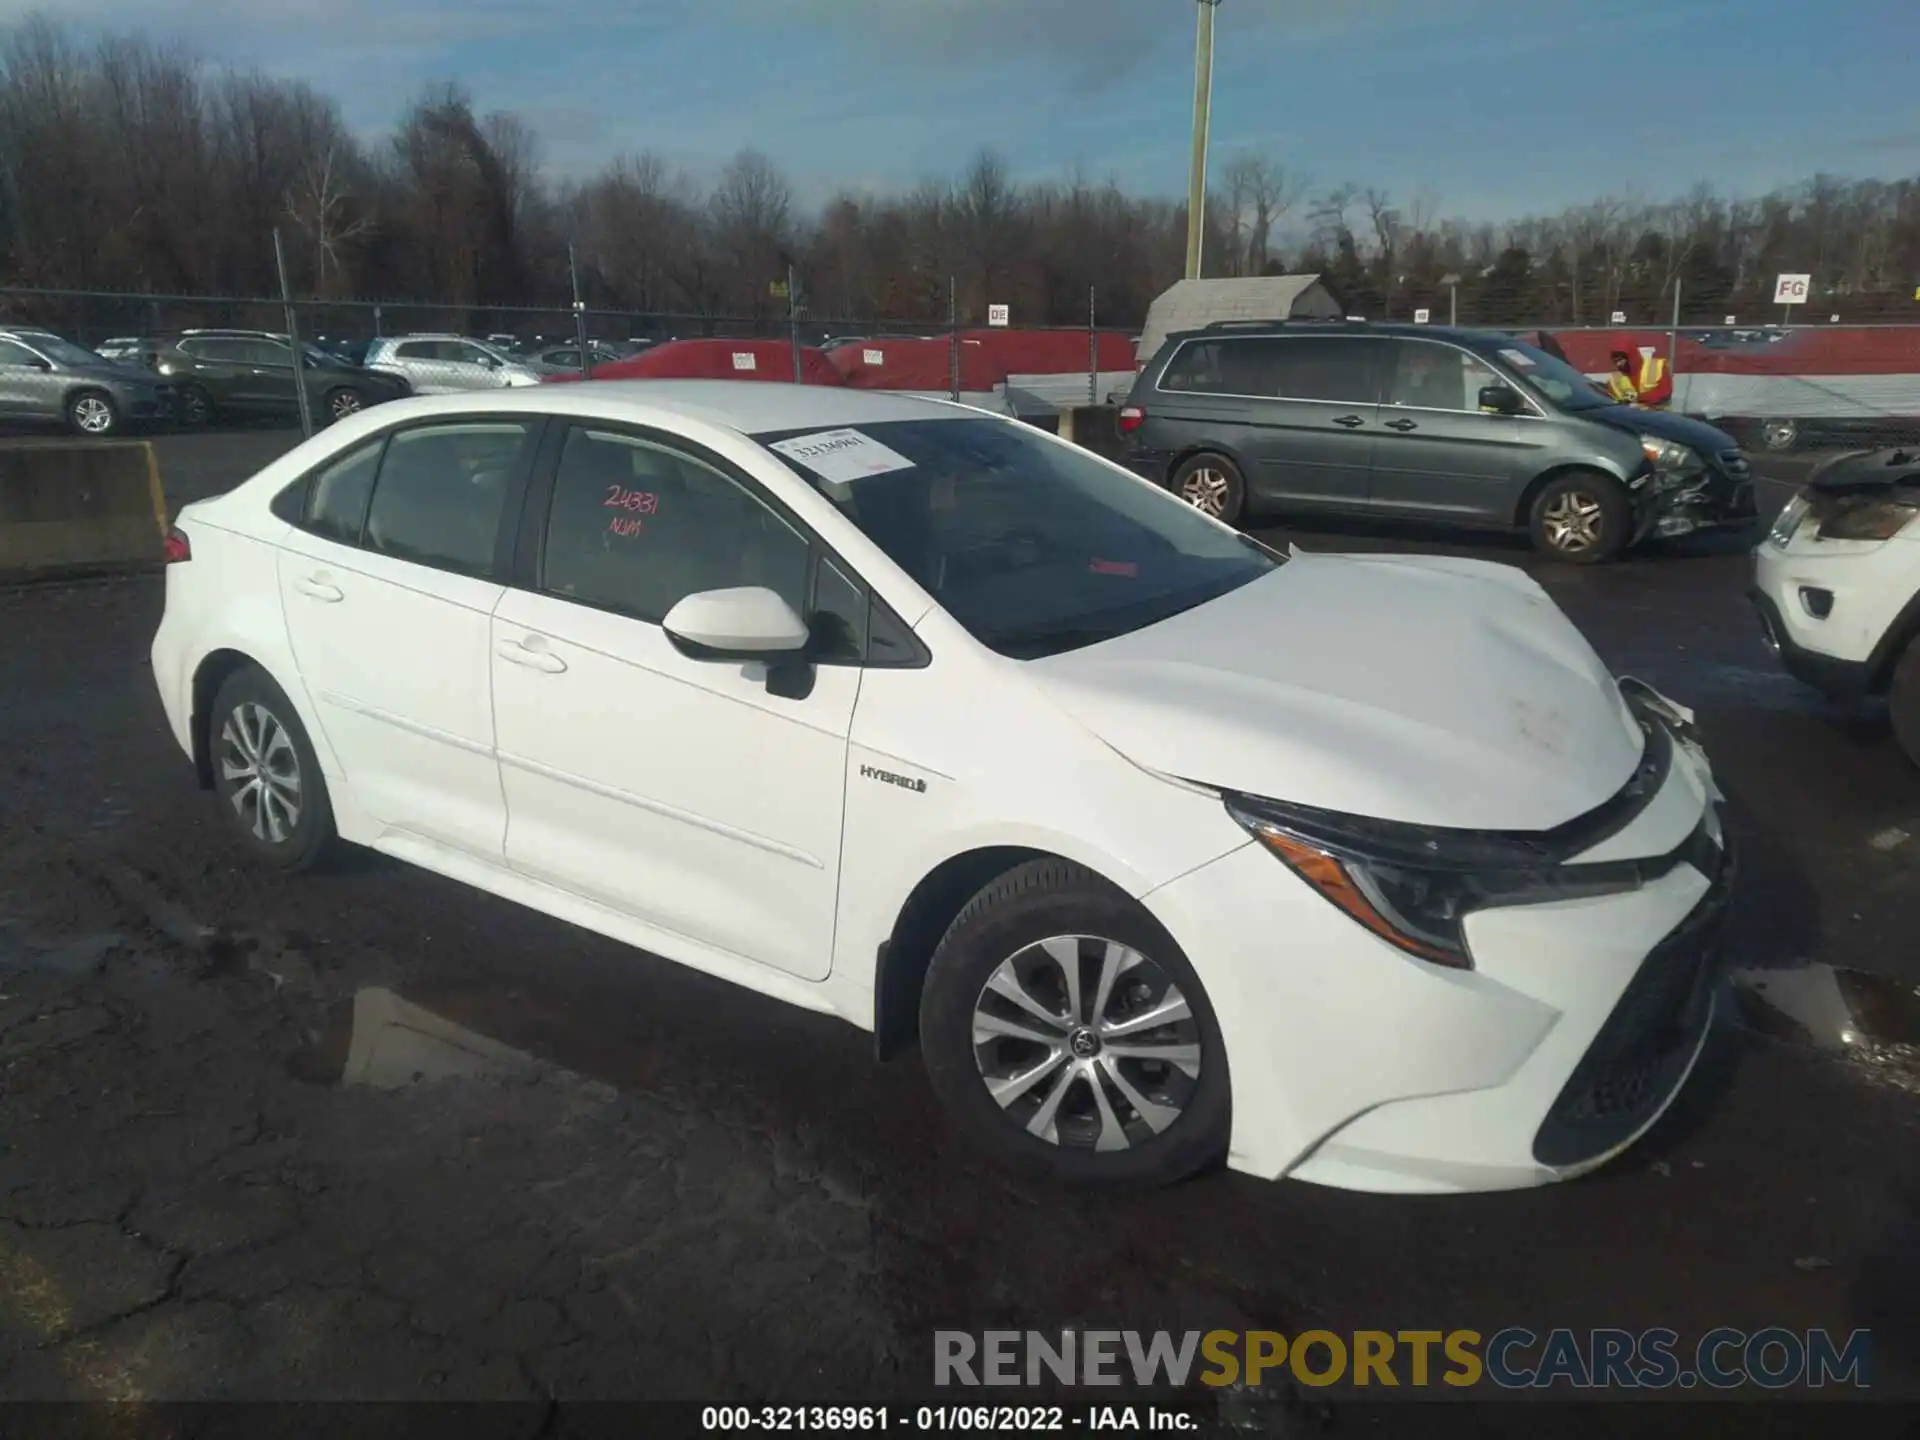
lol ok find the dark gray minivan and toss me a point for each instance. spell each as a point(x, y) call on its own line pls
point(1422, 422)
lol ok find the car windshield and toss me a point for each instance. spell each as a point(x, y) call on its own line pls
point(1034, 547)
point(63, 352)
point(1555, 381)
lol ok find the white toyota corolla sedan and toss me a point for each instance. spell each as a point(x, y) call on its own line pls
point(1164, 847)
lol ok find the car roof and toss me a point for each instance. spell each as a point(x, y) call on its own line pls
point(1258, 329)
point(429, 335)
point(747, 406)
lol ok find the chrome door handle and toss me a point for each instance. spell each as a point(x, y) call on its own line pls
point(1401, 425)
point(317, 589)
point(514, 653)
point(1349, 421)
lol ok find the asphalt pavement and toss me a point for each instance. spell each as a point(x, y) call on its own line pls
point(371, 1134)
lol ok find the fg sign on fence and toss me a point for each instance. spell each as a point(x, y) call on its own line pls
point(998, 315)
point(1792, 289)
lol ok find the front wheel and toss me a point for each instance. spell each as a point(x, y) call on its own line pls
point(343, 403)
point(1213, 485)
point(1067, 1034)
point(92, 413)
point(1903, 700)
point(1779, 434)
point(1582, 518)
point(271, 791)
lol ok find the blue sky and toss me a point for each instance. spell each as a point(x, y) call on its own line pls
point(1498, 109)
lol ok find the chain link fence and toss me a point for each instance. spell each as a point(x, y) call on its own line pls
point(225, 359)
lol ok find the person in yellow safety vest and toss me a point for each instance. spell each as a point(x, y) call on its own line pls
point(1654, 382)
point(1620, 383)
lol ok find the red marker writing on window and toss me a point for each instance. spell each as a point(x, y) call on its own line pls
point(1114, 567)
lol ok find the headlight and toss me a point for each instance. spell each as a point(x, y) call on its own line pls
point(1669, 455)
point(1867, 518)
point(1787, 523)
point(1414, 886)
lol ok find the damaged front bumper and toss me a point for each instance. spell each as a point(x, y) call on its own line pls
point(1717, 496)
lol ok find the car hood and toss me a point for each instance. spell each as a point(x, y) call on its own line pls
point(1422, 689)
point(1668, 426)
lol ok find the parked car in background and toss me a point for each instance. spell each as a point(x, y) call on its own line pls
point(565, 359)
point(121, 348)
point(45, 379)
point(1837, 584)
point(447, 364)
point(1422, 422)
point(243, 373)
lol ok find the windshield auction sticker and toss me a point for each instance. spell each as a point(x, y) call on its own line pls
point(841, 456)
point(1517, 357)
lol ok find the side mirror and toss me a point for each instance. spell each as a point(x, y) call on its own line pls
point(489, 362)
point(748, 623)
point(1500, 400)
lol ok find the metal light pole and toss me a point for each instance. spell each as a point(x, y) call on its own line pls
point(293, 339)
point(1452, 282)
point(1202, 133)
point(579, 317)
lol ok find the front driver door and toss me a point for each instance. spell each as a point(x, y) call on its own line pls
point(685, 793)
point(1437, 455)
point(388, 585)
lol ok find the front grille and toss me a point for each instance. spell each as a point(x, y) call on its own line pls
point(1641, 1052)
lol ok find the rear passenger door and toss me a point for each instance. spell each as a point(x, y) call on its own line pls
point(1437, 456)
point(221, 368)
point(1317, 419)
point(388, 583)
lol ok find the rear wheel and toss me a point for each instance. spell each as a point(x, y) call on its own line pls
point(1213, 485)
point(1581, 518)
point(343, 403)
point(1067, 1034)
point(1903, 700)
point(272, 794)
point(1779, 434)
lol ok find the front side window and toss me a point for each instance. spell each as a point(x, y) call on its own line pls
point(1034, 547)
point(268, 352)
point(636, 527)
point(441, 492)
point(14, 353)
point(1554, 380)
point(1430, 376)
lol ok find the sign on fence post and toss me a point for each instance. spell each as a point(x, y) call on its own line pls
point(998, 315)
point(1789, 291)
point(1420, 317)
point(1619, 318)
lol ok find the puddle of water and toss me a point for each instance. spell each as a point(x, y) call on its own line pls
point(1872, 1020)
point(385, 1042)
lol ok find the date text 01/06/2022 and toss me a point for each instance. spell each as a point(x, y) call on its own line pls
point(767, 1419)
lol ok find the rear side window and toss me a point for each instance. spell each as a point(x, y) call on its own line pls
point(441, 492)
point(415, 350)
point(1341, 369)
point(1215, 367)
point(337, 496)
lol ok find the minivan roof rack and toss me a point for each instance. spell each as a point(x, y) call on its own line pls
point(1283, 324)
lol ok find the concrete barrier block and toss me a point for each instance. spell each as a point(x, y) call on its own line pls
point(79, 507)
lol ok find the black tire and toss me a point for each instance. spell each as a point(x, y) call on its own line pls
point(1213, 485)
point(234, 729)
point(193, 406)
point(92, 414)
point(343, 402)
point(1903, 700)
point(1582, 518)
point(1004, 925)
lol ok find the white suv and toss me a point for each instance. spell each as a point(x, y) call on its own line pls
point(1164, 846)
point(447, 364)
point(1837, 584)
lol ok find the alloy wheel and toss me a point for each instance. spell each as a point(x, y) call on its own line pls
point(93, 415)
point(1573, 521)
point(1779, 434)
point(195, 408)
point(1086, 1043)
point(1207, 490)
point(260, 764)
point(343, 404)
